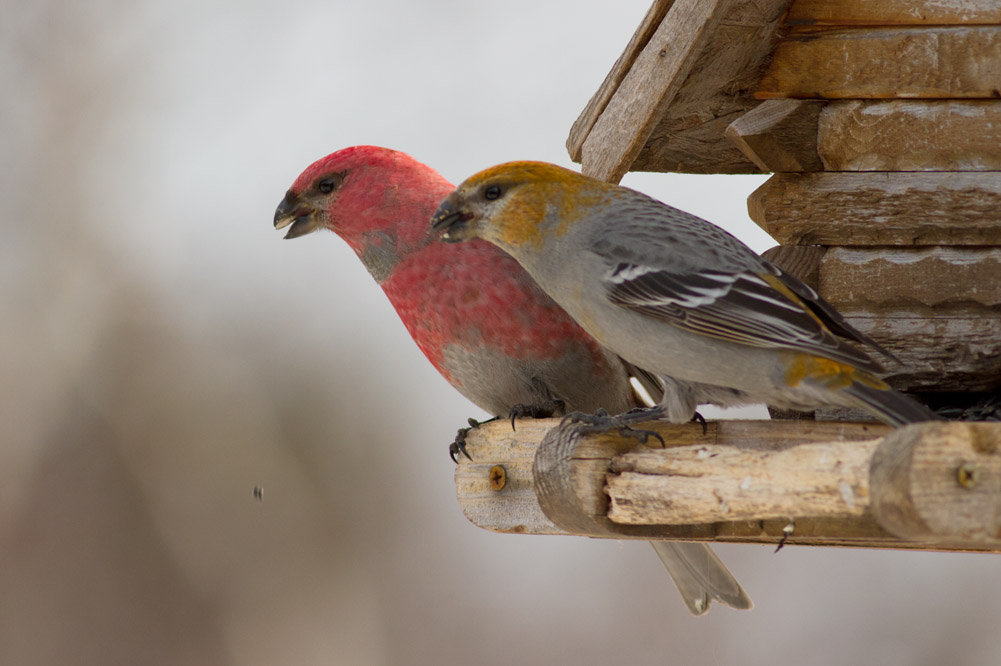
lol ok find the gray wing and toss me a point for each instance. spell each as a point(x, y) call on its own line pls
point(680, 269)
point(646, 232)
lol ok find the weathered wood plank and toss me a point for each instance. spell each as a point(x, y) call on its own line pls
point(596, 105)
point(779, 135)
point(939, 62)
point(708, 484)
point(894, 12)
point(801, 261)
point(937, 481)
point(590, 457)
point(949, 350)
point(689, 137)
point(949, 346)
point(785, 135)
point(938, 309)
point(933, 277)
point(514, 508)
point(687, 133)
point(940, 480)
point(495, 444)
point(654, 79)
point(907, 135)
point(695, 144)
point(880, 208)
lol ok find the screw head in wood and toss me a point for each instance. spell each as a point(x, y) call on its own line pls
point(498, 477)
point(967, 475)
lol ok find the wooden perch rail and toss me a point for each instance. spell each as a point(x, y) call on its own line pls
point(927, 486)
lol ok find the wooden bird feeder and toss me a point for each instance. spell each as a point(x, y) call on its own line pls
point(881, 122)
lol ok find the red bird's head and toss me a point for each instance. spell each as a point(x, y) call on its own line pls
point(365, 194)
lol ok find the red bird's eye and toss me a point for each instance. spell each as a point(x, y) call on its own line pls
point(327, 185)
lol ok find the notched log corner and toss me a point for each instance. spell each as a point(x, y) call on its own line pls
point(940, 481)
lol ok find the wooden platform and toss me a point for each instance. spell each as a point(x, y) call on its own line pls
point(934, 486)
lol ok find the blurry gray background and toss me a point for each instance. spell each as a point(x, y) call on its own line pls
point(164, 351)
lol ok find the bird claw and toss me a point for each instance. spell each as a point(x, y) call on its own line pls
point(601, 422)
point(459, 444)
point(542, 410)
point(698, 418)
point(599, 416)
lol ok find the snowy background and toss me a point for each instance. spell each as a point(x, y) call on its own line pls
point(164, 351)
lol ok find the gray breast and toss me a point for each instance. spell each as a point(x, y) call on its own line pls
point(496, 382)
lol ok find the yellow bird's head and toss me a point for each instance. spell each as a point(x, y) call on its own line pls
point(517, 204)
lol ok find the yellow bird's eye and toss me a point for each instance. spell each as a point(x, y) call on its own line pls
point(492, 192)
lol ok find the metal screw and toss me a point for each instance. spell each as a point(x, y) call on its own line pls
point(498, 477)
point(967, 475)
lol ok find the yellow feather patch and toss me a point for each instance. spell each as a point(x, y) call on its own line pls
point(829, 374)
point(779, 286)
point(539, 191)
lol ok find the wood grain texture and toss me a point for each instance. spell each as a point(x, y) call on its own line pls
point(677, 125)
point(596, 105)
point(779, 135)
point(654, 79)
point(590, 460)
point(709, 484)
point(514, 508)
point(937, 308)
point(695, 144)
point(938, 62)
point(908, 135)
point(880, 208)
point(952, 349)
point(800, 261)
point(571, 473)
point(941, 480)
point(932, 277)
point(945, 341)
point(894, 12)
point(689, 137)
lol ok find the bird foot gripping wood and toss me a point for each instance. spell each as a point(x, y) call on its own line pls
point(458, 445)
point(579, 423)
point(601, 422)
point(569, 474)
point(542, 410)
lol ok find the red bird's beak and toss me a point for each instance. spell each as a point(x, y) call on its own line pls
point(302, 217)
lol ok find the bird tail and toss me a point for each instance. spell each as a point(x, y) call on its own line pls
point(700, 576)
point(889, 405)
